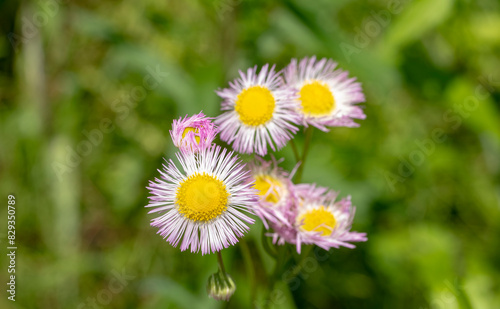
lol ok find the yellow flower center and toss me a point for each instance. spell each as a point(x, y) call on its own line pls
point(269, 185)
point(318, 220)
point(202, 197)
point(190, 129)
point(255, 105)
point(316, 99)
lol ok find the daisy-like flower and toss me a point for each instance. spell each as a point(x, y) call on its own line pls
point(194, 133)
point(274, 189)
point(327, 96)
point(320, 220)
point(258, 112)
point(203, 205)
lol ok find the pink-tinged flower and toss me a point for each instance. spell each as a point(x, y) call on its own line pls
point(259, 113)
point(320, 220)
point(194, 133)
point(305, 190)
point(274, 187)
point(204, 204)
point(327, 96)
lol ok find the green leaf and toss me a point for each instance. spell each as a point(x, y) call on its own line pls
point(416, 19)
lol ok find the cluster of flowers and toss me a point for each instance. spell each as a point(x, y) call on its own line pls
point(205, 204)
point(303, 213)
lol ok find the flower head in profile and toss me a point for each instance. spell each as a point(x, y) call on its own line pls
point(258, 112)
point(274, 188)
point(203, 205)
point(327, 95)
point(194, 133)
point(320, 220)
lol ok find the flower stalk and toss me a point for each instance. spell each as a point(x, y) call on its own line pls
point(220, 286)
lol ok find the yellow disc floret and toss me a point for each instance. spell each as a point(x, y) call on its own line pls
point(318, 220)
point(201, 197)
point(190, 129)
point(269, 188)
point(255, 105)
point(316, 99)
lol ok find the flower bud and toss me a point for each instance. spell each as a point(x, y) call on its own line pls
point(220, 286)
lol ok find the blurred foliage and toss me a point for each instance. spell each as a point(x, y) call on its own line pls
point(431, 212)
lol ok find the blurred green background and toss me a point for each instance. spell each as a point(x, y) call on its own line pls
point(106, 78)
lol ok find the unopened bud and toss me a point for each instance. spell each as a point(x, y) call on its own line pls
point(220, 286)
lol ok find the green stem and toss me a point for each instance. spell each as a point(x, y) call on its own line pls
point(247, 256)
point(281, 257)
point(308, 133)
point(303, 256)
point(280, 261)
point(220, 262)
point(265, 243)
point(295, 151)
